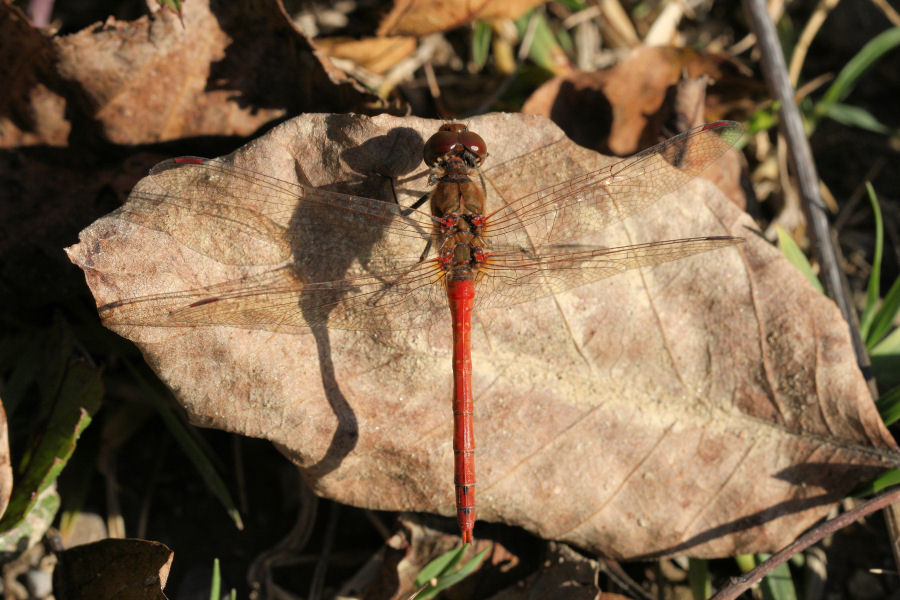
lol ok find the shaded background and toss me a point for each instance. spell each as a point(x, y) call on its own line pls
point(92, 99)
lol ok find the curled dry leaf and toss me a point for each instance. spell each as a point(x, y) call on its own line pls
point(32, 109)
point(608, 110)
point(421, 17)
point(710, 405)
point(377, 55)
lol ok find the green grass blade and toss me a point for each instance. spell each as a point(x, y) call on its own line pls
point(745, 562)
point(854, 116)
point(882, 482)
point(698, 575)
point(544, 50)
point(884, 317)
point(29, 530)
point(191, 448)
point(440, 565)
point(442, 573)
point(481, 43)
point(778, 584)
point(79, 397)
point(885, 357)
point(855, 68)
point(215, 586)
point(889, 345)
point(874, 286)
point(889, 406)
point(796, 257)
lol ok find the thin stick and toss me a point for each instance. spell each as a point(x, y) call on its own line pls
point(791, 126)
point(807, 36)
point(741, 584)
point(888, 11)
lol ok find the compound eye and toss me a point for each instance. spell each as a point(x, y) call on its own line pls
point(440, 144)
point(454, 127)
point(473, 143)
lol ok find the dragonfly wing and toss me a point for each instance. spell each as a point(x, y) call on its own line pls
point(239, 216)
point(277, 300)
point(570, 210)
point(514, 276)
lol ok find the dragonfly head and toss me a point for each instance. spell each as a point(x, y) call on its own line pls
point(454, 141)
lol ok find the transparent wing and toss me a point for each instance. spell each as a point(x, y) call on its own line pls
point(277, 300)
point(350, 262)
point(568, 211)
point(239, 216)
point(517, 275)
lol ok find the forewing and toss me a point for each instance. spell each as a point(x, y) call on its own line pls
point(240, 216)
point(334, 259)
point(572, 209)
point(277, 300)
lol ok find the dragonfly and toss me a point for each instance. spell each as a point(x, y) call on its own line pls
point(357, 263)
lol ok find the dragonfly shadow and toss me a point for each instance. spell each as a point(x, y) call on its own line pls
point(743, 524)
point(334, 233)
point(332, 237)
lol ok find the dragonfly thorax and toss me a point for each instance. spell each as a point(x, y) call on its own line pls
point(462, 256)
point(458, 197)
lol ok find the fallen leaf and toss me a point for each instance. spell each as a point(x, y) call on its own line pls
point(228, 70)
point(618, 109)
point(32, 107)
point(623, 108)
point(421, 17)
point(111, 569)
point(709, 406)
point(376, 55)
point(6, 476)
point(563, 574)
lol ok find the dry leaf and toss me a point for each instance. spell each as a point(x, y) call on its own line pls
point(612, 110)
point(113, 568)
point(623, 108)
point(376, 55)
point(32, 110)
point(227, 71)
point(709, 406)
point(563, 574)
point(6, 475)
point(421, 17)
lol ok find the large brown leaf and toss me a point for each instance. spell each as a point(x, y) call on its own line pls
point(710, 405)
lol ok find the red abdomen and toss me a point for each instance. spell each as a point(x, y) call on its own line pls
point(461, 293)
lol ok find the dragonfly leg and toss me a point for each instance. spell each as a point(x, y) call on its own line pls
point(415, 206)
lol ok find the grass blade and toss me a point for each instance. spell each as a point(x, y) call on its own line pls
point(795, 255)
point(855, 68)
point(191, 448)
point(481, 43)
point(874, 286)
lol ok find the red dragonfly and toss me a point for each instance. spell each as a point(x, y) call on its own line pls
point(347, 261)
